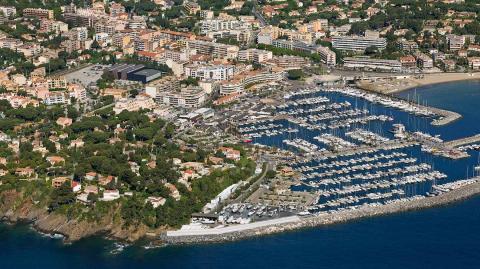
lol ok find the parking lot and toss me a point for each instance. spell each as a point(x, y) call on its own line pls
point(86, 76)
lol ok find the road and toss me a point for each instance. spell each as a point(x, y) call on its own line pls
point(259, 16)
point(270, 165)
point(68, 71)
point(249, 191)
point(90, 113)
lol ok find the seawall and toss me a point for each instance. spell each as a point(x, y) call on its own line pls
point(328, 218)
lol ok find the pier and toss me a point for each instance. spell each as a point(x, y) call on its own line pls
point(462, 141)
point(446, 116)
point(397, 143)
point(450, 149)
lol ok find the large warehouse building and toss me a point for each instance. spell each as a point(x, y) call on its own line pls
point(133, 72)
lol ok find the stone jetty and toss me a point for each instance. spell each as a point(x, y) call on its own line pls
point(462, 141)
point(295, 222)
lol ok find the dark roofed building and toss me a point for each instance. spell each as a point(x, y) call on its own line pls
point(121, 71)
point(133, 72)
point(144, 75)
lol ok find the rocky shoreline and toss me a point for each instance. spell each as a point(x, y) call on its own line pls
point(328, 219)
point(14, 208)
point(75, 229)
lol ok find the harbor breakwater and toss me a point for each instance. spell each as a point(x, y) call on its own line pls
point(444, 116)
point(294, 222)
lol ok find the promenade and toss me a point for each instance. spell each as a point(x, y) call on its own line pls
point(197, 230)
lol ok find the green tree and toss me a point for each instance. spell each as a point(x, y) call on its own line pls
point(295, 74)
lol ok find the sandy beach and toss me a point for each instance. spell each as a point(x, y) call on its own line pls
point(400, 83)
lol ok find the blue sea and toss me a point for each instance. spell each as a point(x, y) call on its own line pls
point(444, 237)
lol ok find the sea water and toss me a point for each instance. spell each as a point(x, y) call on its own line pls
point(444, 237)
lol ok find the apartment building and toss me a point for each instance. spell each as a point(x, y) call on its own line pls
point(10, 43)
point(408, 62)
point(217, 50)
point(292, 35)
point(191, 7)
point(149, 56)
point(372, 64)
point(51, 26)
point(76, 45)
point(85, 17)
point(39, 13)
point(290, 61)
point(19, 101)
point(254, 55)
point(210, 72)
point(78, 92)
point(137, 22)
point(56, 98)
point(358, 43)
point(474, 63)
point(245, 79)
point(78, 33)
point(30, 49)
point(177, 55)
point(424, 61)
point(314, 26)
point(134, 104)
point(170, 35)
point(455, 42)
point(242, 36)
point(207, 14)
point(164, 84)
point(192, 96)
point(327, 56)
point(145, 44)
point(116, 9)
point(107, 26)
point(264, 38)
point(8, 11)
point(406, 45)
point(56, 83)
point(213, 25)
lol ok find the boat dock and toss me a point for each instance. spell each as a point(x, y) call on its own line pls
point(392, 144)
point(446, 116)
point(450, 149)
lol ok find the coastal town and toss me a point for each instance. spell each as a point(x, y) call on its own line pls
point(189, 121)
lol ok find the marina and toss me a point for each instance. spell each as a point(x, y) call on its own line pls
point(341, 153)
point(362, 232)
point(198, 233)
point(354, 148)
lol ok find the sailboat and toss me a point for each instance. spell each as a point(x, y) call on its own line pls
point(476, 169)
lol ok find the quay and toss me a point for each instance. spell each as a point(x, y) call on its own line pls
point(242, 231)
point(449, 149)
point(397, 143)
point(233, 228)
point(446, 116)
point(462, 141)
